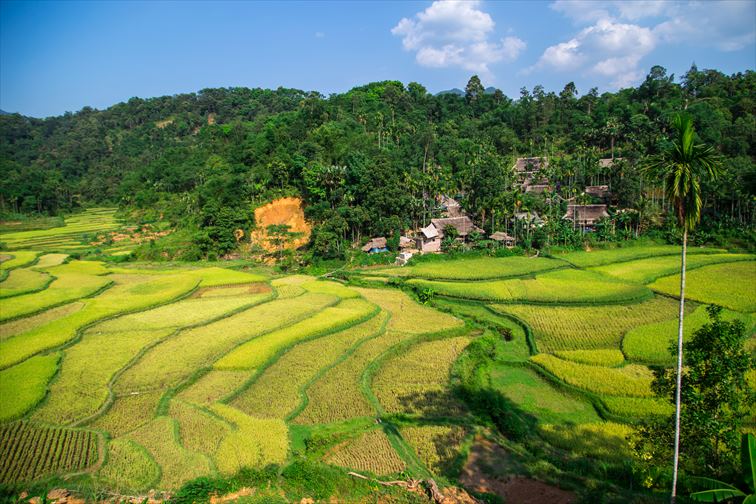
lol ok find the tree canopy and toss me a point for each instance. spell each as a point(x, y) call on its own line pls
point(371, 161)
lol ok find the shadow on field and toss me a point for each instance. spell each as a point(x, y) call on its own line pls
point(430, 403)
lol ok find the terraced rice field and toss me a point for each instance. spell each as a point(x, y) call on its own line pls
point(68, 237)
point(29, 452)
point(604, 440)
point(534, 395)
point(558, 328)
point(650, 343)
point(484, 268)
point(730, 285)
point(647, 270)
point(437, 446)
point(148, 375)
point(632, 380)
point(23, 281)
point(414, 382)
point(339, 394)
point(558, 287)
point(279, 390)
point(370, 452)
point(586, 259)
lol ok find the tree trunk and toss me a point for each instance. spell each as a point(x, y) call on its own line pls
point(679, 366)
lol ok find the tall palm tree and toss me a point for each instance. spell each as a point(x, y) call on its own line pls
point(682, 166)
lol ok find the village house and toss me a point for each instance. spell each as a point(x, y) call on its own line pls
point(503, 238)
point(530, 165)
point(608, 162)
point(537, 188)
point(451, 207)
point(406, 243)
point(430, 237)
point(585, 216)
point(598, 191)
point(528, 171)
point(375, 245)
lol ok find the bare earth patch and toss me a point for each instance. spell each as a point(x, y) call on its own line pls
point(485, 471)
point(286, 211)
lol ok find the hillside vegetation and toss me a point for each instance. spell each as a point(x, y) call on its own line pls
point(369, 162)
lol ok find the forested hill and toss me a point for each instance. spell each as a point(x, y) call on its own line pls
point(368, 161)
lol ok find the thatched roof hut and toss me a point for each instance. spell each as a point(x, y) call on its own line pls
point(375, 245)
point(608, 162)
point(502, 237)
point(600, 191)
point(530, 164)
point(585, 214)
point(429, 231)
point(536, 188)
point(464, 225)
point(451, 207)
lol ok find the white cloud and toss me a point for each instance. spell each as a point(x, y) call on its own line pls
point(319, 34)
point(588, 11)
point(617, 35)
point(564, 56)
point(727, 25)
point(452, 33)
point(606, 48)
point(633, 10)
point(581, 10)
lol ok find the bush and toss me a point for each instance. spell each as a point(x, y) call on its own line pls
point(426, 295)
point(305, 478)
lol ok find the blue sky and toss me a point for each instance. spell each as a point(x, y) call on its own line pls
point(60, 56)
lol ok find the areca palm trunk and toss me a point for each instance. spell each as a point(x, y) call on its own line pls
point(679, 365)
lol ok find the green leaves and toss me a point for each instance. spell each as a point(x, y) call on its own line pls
point(719, 491)
point(748, 460)
point(715, 491)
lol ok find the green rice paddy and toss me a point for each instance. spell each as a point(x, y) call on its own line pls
point(179, 371)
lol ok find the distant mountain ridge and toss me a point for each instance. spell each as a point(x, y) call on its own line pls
point(456, 91)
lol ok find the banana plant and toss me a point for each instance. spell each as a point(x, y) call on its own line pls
point(719, 491)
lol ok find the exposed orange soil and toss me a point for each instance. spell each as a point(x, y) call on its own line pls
point(286, 211)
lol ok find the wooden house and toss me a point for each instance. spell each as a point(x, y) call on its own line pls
point(451, 207)
point(375, 245)
point(585, 215)
point(598, 191)
point(406, 243)
point(608, 162)
point(503, 238)
point(529, 173)
point(430, 237)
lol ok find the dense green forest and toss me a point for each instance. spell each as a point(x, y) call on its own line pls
point(373, 160)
